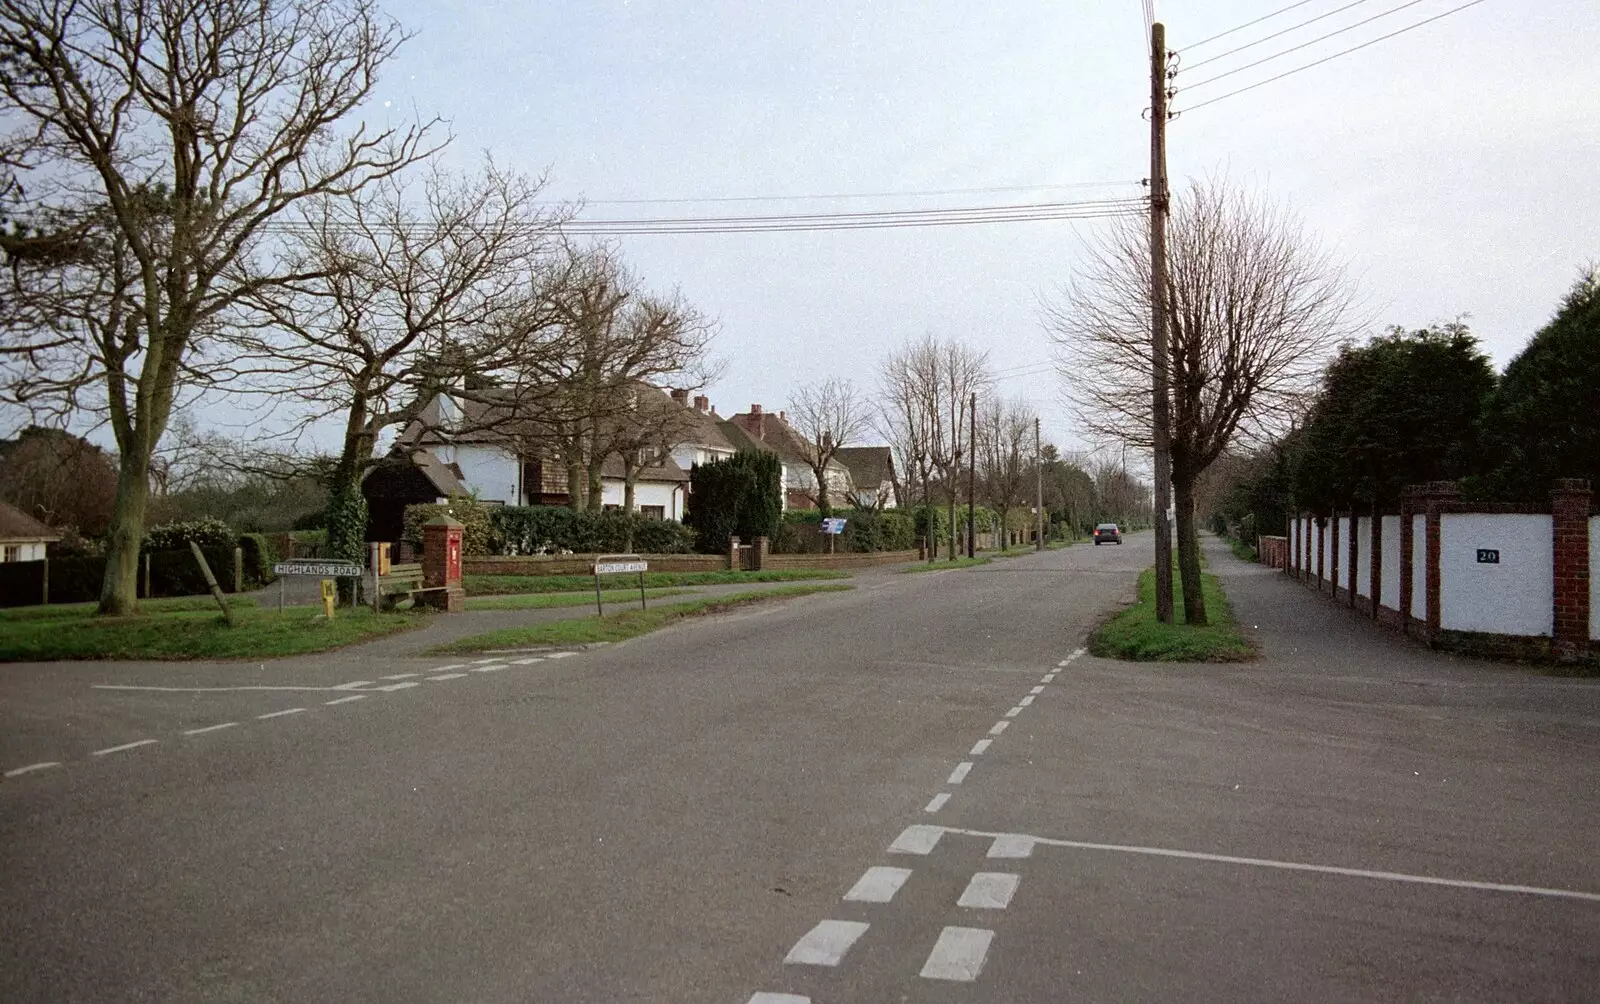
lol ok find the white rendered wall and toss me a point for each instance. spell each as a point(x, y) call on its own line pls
point(1419, 567)
point(1363, 583)
point(644, 493)
point(1594, 576)
point(1345, 573)
point(1327, 551)
point(1389, 588)
point(488, 472)
point(1512, 597)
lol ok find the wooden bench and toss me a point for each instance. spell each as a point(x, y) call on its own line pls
point(404, 582)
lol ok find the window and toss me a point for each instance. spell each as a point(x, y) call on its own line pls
point(13, 552)
point(653, 511)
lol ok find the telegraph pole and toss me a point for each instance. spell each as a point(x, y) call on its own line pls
point(1160, 416)
point(1038, 489)
point(972, 473)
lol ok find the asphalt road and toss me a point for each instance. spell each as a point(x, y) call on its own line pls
point(1349, 818)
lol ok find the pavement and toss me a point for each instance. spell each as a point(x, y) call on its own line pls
point(920, 790)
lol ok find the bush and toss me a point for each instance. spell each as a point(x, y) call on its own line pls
point(176, 573)
point(476, 535)
point(260, 554)
point(879, 531)
point(740, 496)
point(552, 529)
point(207, 532)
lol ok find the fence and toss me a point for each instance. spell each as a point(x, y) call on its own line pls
point(1516, 580)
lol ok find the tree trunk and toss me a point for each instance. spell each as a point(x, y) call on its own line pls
point(627, 494)
point(824, 506)
point(952, 518)
point(577, 497)
point(1194, 603)
point(119, 590)
point(596, 486)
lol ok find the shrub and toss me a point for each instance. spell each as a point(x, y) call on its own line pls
point(476, 535)
point(740, 496)
point(551, 529)
point(207, 532)
point(879, 531)
point(260, 554)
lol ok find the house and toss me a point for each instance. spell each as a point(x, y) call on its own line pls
point(872, 474)
point(764, 430)
point(23, 538)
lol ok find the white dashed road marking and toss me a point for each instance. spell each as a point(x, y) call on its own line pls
point(561, 655)
point(527, 662)
point(446, 676)
point(124, 746)
point(455, 665)
point(485, 669)
point(825, 944)
point(937, 802)
point(477, 662)
point(1048, 678)
point(990, 891)
point(1011, 845)
point(1063, 662)
point(397, 676)
point(209, 728)
point(999, 727)
point(391, 688)
point(19, 771)
point(779, 999)
point(1037, 690)
point(1014, 712)
point(958, 955)
point(960, 773)
point(347, 700)
point(917, 839)
point(878, 885)
point(1025, 701)
point(979, 747)
point(353, 685)
point(280, 714)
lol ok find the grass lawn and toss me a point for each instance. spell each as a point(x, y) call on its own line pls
point(622, 626)
point(1136, 635)
point(186, 628)
point(944, 563)
point(498, 585)
point(541, 601)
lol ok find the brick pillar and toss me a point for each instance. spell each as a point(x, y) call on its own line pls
point(1436, 497)
point(1375, 580)
point(1407, 549)
point(441, 564)
point(733, 553)
point(1333, 554)
point(1569, 510)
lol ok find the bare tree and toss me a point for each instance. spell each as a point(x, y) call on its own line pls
point(1254, 306)
point(177, 132)
point(907, 402)
point(828, 416)
point(962, 372)
point(404, 291)
point(1005, 455)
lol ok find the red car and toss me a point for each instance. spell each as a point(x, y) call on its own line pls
point(1107, 533)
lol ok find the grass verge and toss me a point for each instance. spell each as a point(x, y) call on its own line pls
point(542, 601)
point(499, 585)
point(186, 629)
point(1241, 549)
point(622, 626)
point(1136, 635)
point(939, 566)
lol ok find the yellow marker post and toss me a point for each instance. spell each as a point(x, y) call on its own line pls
point(330, 596)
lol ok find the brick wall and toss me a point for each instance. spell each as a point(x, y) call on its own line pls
point(583, 564)
point(853, 560)
point(1274, 551)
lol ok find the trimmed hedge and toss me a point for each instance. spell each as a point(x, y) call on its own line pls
point(864, 531)
point(545, 529)
point(477, 532)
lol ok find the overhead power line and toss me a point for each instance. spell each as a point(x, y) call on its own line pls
point(918, 193)
point(1303, 45)
point(1277, 34)
point(1336, 55)
point(1241, 27)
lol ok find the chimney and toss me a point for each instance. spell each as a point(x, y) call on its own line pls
point(702, 403)
point(783, 416)
point(680, 396)
point(755, 409)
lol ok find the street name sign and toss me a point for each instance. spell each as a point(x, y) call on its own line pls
point(324, 569)
point(612, 567)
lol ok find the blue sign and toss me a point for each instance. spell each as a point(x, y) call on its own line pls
point(833, 524)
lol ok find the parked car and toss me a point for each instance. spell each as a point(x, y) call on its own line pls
point(1107, 533)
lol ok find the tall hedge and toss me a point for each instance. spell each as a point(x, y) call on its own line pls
point(741, 496)
point(476, 533)
point(543, 529)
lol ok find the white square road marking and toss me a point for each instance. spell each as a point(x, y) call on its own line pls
point(1011, 845)
point(561, 655)
point(825, 944)
point(354, 685)
point(917, 839)
point(488, 669)
point(878, 885)
point(990, 891)
point(398, 676)
point(958, 955)
point(527, 662)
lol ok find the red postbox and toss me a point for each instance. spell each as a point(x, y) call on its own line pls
point(441, 563)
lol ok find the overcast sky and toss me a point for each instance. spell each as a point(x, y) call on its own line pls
point(1453, 167)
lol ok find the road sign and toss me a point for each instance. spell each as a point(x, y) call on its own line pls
point(834, 524)
point(321, 569)
point(611, 567)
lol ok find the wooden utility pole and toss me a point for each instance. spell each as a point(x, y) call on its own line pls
point(1038, 489)
point(1160, 415)
point(972, 473)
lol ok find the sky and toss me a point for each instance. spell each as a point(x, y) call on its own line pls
point(1453, 167)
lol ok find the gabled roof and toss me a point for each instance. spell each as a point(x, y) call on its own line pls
point(445, 478)
point(764, 430)
point(18, 525)
point(665, 469)
point(870, 466)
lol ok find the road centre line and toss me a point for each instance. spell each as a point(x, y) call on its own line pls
point(1025, 701)
point(1297, 866)
point(209, 728)
point(399, 676)
point(1037, 690)
point(486, 669)
point(980, 747)
point(347, 700)
point(19, 771)
point(1011, 845)
point(1048, 678)
point(527, 662)
point(454, 665)
point(208, 690)
point(999, 727)
point(958, 955)
point(937, 802)
point(280, 714)
point(446, 676)
point(1014, 712)
point(478, 662)
point(989, 891)
point(825, 944)
point(391, 688)
point(960, 773)
point(560, 655)
point(766, 998)
point(918, 838)
point(878, 885)
point(352, 685)
point(1063, 662)
point(124, 746)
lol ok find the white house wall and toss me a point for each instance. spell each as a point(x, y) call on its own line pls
point(1363, 583)
point(645, 493)
point(1326, 532)
point(1389, 588)
point(1513, 597)
point(490, 473)
point(1419, 566)
point(33, 550)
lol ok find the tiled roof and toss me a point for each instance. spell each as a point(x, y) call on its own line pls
point(870, 466)
point(18, 525)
